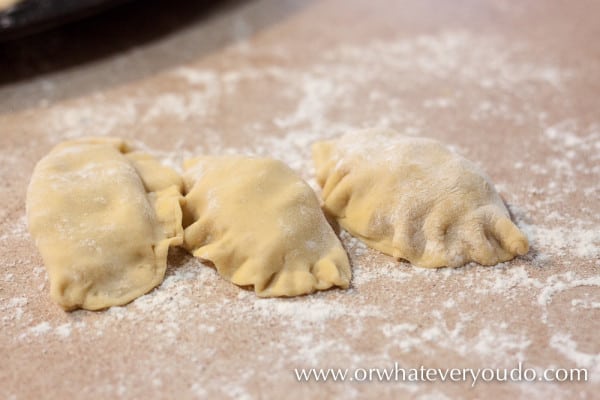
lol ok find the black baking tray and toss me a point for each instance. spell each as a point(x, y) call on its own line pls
point(31, 16)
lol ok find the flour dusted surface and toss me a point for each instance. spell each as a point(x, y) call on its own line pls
point(524, 108)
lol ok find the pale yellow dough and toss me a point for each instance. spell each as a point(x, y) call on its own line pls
point(6, 4)
point(414, 199)
point(260, 224)
point(103, 218)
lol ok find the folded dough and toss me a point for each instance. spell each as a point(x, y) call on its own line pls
point(103, 218)
point(260, 224)
point(414, 199)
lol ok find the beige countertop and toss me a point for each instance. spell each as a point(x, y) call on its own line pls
point(513, 86)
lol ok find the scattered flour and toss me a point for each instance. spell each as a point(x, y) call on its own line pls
point(560, 283)
point(567, 347)
point(41, 328)
point(13, 310)
point(578, 242)
point(414, 314)
point(63, 331)
point(305, 312)
point(585, 303)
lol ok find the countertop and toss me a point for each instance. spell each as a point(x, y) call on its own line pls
point(513, 86)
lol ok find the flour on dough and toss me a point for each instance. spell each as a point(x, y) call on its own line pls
point(260, 224)
point(414, 199)
point(103, 217)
